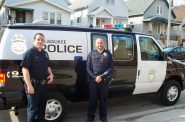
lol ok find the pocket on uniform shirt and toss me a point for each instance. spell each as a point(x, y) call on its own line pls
point(105, 60)
point(95, 59)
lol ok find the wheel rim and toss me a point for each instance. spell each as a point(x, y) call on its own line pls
point(53, 109)
point(172, 93)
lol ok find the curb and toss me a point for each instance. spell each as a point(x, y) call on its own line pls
point(136, 115)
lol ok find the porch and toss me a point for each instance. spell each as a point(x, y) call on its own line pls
point(157, 27)
point(20, 15)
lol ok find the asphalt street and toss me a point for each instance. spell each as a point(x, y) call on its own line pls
point(139, 108)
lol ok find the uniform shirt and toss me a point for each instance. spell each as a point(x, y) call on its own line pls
point(37, 63)
point(99, 63)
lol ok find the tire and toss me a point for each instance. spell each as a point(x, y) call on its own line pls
point(56, 107)
point(170, 93)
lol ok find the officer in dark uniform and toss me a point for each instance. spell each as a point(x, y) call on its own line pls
point(99, 67)
point(36, 75)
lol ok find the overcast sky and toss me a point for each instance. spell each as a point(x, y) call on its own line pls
point(178, 2)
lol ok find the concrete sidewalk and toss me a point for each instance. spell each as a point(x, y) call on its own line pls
point(174, 113)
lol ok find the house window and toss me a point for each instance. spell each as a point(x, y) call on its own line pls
point(45, 15)
point(159, 10)
point(110, 1)
point(52, 18)
point(59, 19)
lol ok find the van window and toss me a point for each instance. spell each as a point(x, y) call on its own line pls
point(122, 47)
point(149, 49)
point(94, 36)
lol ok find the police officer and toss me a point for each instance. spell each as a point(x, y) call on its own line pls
point(37, 74)
point(99, 67)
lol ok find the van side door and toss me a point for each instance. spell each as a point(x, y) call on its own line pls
point(125, 63)
point(151, 69)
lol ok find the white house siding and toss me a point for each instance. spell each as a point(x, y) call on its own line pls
point(74, 17)
point(63, 3)
point(3, 16)
point(29, 17)
point(137, 22)
point(104, 14)
point(66, 18)
point(90, 20)
point(118, 8)
point(41, 6)
point(84, 18)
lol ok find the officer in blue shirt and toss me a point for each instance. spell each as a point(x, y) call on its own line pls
point(36, 74)
point(99, 67)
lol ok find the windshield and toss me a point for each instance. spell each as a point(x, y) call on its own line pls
point(168, 49)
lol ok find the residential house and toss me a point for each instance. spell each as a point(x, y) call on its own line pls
point(151, 17)
point(180, 14)
point(28, 11)
point(99, 13)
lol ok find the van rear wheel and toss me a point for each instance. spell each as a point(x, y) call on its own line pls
point(56, 107)
point(170, 93)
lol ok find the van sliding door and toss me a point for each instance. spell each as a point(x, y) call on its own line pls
point(125, 68)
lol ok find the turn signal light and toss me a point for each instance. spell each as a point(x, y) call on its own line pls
point(2, 78)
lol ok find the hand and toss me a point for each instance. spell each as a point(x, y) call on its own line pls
point(50, 79)
point(98, 79)
point(30, 89)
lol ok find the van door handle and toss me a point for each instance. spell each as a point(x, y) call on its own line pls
point(138, 72)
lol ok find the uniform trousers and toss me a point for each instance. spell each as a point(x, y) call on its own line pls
point(97, 91)
point(37, 103)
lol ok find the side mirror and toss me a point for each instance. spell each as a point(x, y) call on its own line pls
point(164, 56)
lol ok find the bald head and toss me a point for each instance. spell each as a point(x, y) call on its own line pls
point(100, 44)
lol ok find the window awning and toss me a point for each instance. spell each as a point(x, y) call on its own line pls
point(160, 20)
point(21, 9)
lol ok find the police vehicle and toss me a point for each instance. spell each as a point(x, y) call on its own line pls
point(140, 65)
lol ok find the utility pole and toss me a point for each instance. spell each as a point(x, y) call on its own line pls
point(169, 23)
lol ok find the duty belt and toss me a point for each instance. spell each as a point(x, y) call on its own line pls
point(38, 81)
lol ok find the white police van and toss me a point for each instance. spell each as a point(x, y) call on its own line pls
point(140, 66)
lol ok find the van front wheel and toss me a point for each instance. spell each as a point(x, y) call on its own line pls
point(56, 107)
point(170, 93)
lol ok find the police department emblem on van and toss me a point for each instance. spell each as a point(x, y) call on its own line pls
point(18, 45)
point(140, 65)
